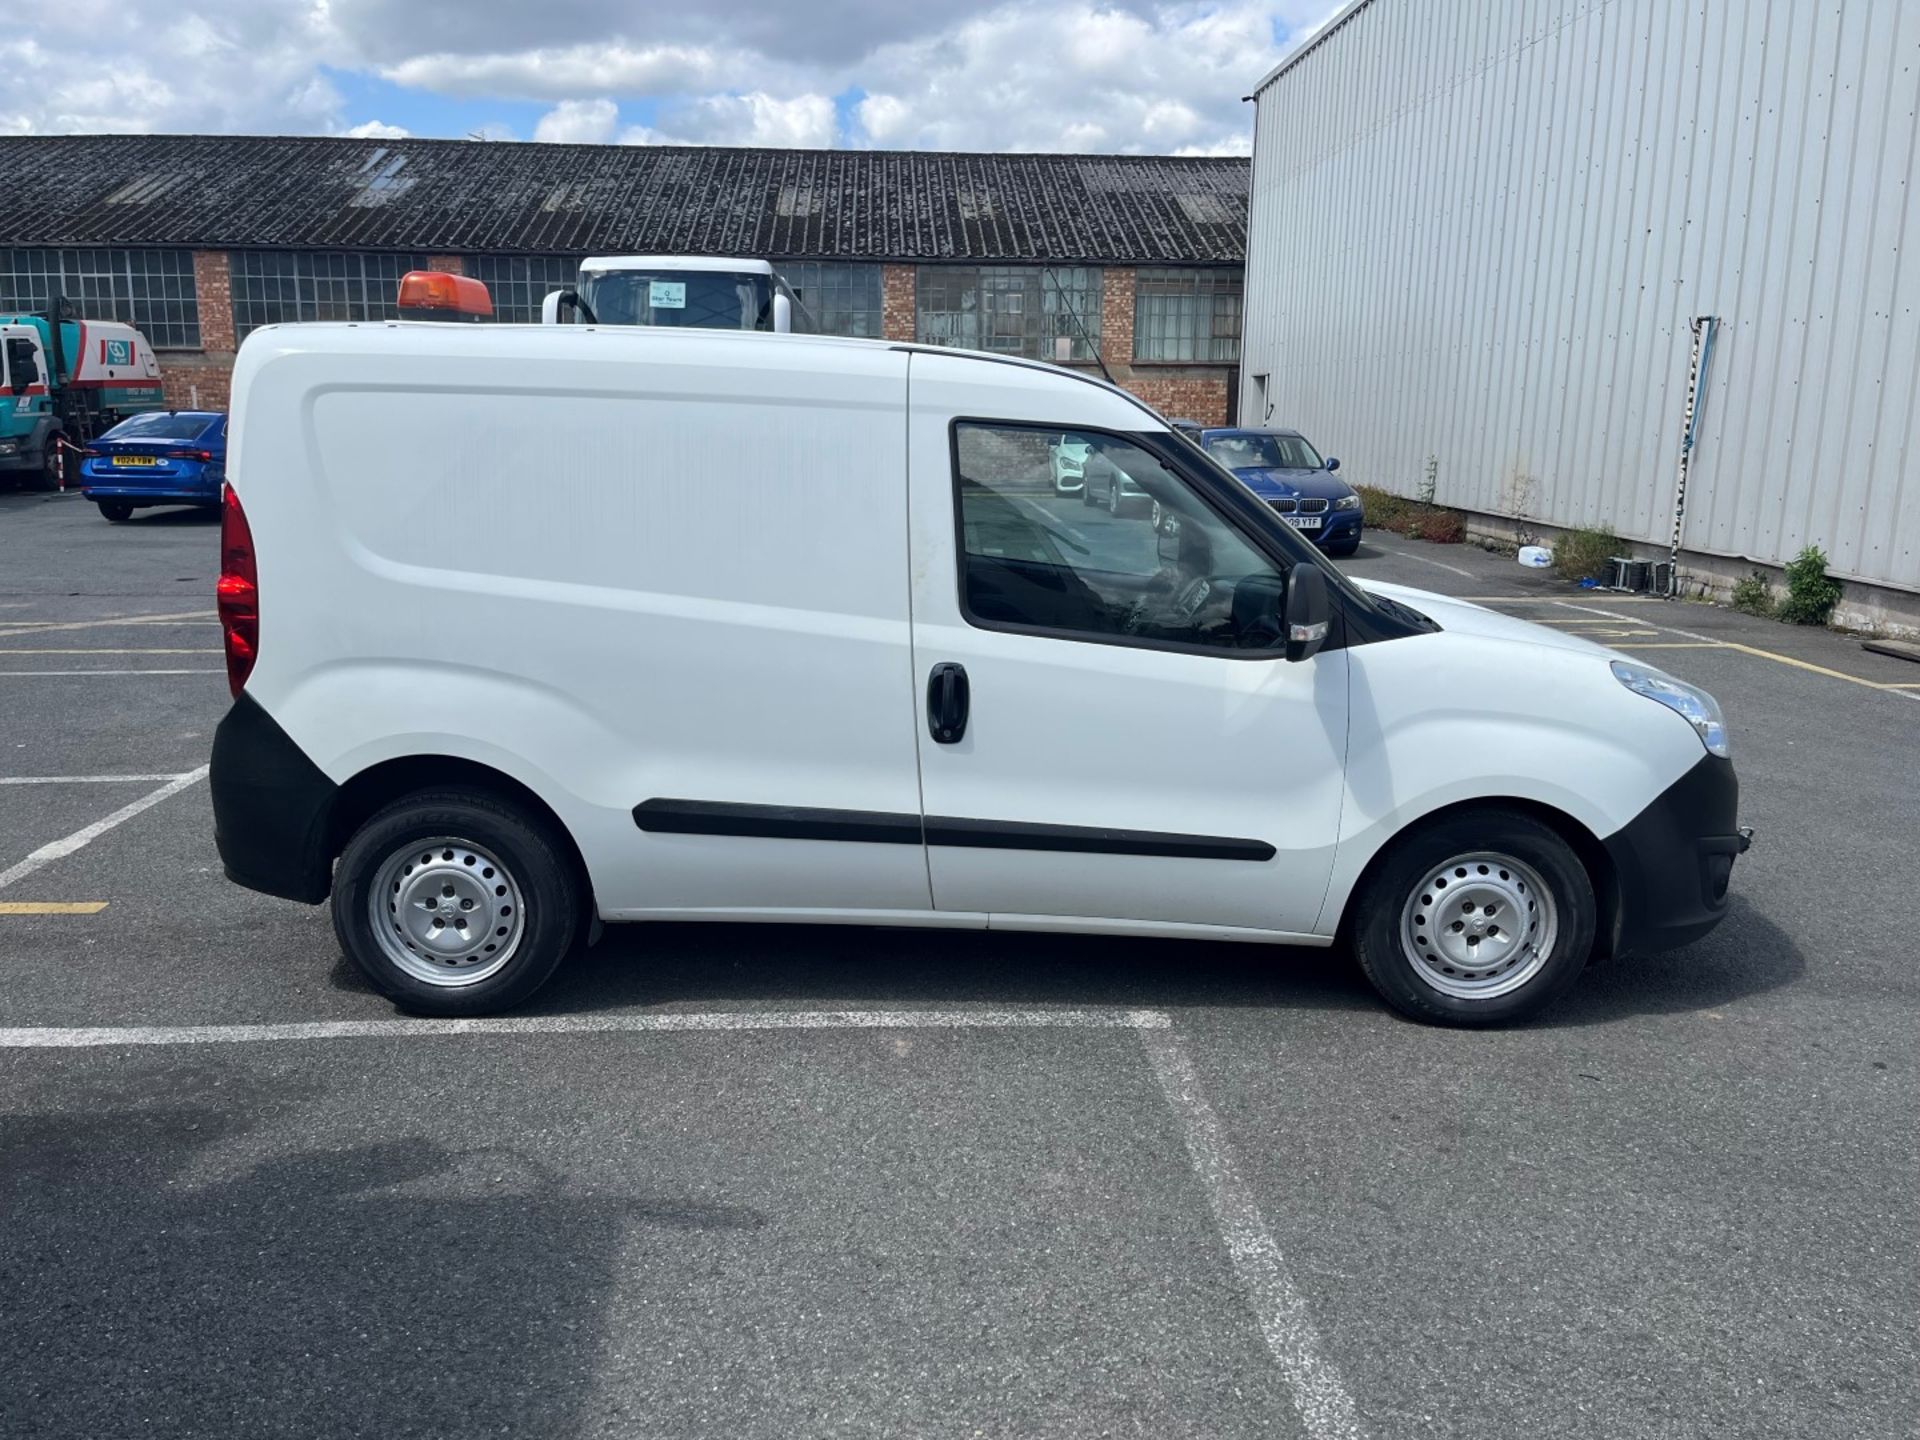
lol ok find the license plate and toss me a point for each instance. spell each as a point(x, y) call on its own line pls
point(135, 460)
point(1303, 522)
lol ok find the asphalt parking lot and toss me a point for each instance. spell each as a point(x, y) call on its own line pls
point(762, 1181)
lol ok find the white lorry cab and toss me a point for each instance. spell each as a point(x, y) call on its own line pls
point(535, 627)
point(687, 292)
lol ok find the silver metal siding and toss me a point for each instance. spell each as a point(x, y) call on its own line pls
point(1480, 233)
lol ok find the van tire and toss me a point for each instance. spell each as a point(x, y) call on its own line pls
point(534, 862)
point(1411, 879)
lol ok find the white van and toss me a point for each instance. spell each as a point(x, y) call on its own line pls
point(535, 627)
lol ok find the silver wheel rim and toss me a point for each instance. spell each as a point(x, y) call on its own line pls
point(1479, 926)
point(446, 912)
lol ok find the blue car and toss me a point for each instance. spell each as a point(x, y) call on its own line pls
point(1285, 471)
point(162, 457)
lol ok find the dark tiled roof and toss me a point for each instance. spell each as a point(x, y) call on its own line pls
point(455, 196)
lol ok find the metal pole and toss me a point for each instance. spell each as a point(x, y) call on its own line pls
point(1703, 329)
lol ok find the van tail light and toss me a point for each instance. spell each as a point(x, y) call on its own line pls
point(203, 456)
point(238, 592)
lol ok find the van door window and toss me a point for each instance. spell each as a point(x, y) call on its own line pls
point(1088, 536)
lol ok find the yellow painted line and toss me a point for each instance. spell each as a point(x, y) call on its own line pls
point(1670, 645)
point(52, 907)
point(1904, 685)
point(1809, 665)
point(41, 650)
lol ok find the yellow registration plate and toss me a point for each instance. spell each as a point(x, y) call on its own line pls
point(135, 460)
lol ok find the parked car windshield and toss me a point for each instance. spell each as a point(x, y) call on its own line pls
point(692, 299)
point(1264, 452)
point(160, 425)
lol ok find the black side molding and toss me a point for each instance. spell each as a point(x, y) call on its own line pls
point(880, 827)
point(1089, 840)
point(775, 822)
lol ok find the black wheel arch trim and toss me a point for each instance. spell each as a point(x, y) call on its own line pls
point(272, 807)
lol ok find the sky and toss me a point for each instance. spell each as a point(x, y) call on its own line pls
point(1121, 76)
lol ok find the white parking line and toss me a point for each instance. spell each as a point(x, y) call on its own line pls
point(1326, 1410)
point(1409, 555)
point(17, 674)
point(80, 839)
point(40, 627)
point(1319, 1396)
point(89, 779)
point(56, 1038)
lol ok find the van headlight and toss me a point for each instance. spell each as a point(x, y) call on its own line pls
point(1689, 702)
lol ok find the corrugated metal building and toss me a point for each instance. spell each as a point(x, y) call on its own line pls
point(1481, 234)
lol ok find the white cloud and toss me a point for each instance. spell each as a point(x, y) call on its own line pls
point(376, 130)
point(578, 122)
point(1077, 75)
point(1156, 76)
point(803, 121)
point(610, 68)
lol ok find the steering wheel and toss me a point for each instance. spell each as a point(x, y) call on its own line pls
point(1177, 607)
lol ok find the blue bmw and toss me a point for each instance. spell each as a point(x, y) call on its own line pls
point(162, 457)
point(1285, 471)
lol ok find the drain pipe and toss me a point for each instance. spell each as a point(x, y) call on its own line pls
point(1704, 327)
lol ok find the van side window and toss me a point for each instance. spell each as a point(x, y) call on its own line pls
point(1088, 536)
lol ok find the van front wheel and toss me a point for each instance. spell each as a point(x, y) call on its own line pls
point(1480, 918)
point(455, 903)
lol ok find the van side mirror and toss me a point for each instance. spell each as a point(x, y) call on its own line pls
point(1333, 464)
point(782, 315)
point(1309, 611)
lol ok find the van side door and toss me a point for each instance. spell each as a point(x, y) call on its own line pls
point(1109, 726)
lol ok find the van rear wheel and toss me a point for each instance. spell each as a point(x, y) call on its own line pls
point(1480, 918)
point(456, 903)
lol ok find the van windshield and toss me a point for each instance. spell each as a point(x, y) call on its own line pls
point(691, 299)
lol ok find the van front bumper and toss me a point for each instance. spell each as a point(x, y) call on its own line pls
point(1674, 860)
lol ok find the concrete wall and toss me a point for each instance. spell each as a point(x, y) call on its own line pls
point(1480, 234)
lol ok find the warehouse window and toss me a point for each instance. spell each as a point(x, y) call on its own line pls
point(843, 299)
point(151, 290)
point(1042, 312)
point(518, 283)
point(1186, 315)
point(271, 287)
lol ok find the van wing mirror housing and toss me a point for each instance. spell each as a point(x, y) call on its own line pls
point(565, 307)
point(1309, 611)
point(782, 315)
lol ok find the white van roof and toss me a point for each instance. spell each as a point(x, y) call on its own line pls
point(815, 354)
point(719, 263)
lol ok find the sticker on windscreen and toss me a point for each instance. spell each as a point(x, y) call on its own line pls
point(667, 294)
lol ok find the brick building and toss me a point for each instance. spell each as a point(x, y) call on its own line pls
point(199, 239)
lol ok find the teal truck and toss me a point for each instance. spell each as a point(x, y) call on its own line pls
point(61, 376)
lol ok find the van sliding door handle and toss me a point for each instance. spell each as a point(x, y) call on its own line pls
point(948, 699)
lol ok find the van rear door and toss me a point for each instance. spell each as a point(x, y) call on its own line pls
point(1108, 728)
